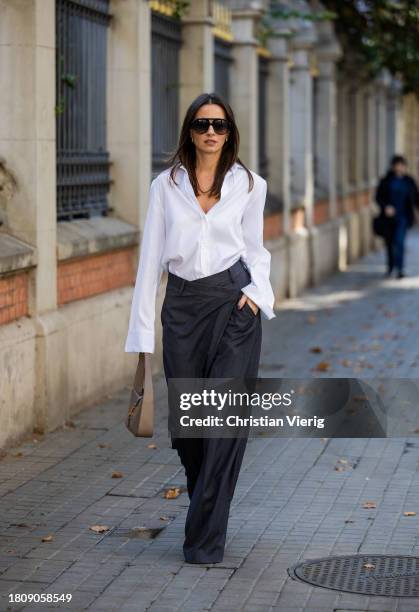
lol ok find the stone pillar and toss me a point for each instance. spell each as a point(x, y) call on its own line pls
point(342, 143)
point(244, 83)
point(328, 52)
point(196, 54)
point(27, 135)
point(278, 138)
point(326, 125)
point(359, 127)
point(372, 136)
point(411, 133)
point(395, 128)
point(301, 131)
point(382, 132)
point(383, 160)
point(129, 131)
point(365, 176)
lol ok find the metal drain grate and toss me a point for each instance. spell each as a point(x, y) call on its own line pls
point(384, 575)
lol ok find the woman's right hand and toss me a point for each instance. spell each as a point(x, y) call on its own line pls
point(389, 211)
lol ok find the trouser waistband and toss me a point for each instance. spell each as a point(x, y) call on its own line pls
point(230, 273)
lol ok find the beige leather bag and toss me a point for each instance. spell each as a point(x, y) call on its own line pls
point(140, 418)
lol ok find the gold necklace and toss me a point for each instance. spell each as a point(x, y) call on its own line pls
point(203, 192)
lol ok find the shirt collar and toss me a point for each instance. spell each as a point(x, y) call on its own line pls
point(186, 186)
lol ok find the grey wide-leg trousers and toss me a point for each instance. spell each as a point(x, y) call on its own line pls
point(205, 335)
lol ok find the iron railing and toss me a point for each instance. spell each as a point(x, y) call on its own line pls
point(166, 42)
point(82, 158)
point(222, 62)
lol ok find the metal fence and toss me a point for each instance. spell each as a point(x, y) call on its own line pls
point(222, 62)
point(82, 158)
point(166, 42)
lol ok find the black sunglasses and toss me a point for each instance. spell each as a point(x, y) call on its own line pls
point(221, 126)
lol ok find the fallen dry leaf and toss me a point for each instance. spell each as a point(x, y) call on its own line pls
point(322, 366)
point(369, 504)
point(117, 475)
point(18, 454)
point(99, 528)
point(47, 538)
point(368, 566)
point(390, 314)
point(103, 445)
point(409, 513)
point(315, 349)
point(172, 493)
point(151, 445)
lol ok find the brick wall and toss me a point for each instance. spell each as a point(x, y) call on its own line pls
point(13, 297)
point(87, 276)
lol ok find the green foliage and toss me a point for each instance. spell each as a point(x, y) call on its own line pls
point(60, 107)
point(67, 79)
point(267, 27)
point(374, 34)
point(180, 8)
point(381, 34)
point(285, 13)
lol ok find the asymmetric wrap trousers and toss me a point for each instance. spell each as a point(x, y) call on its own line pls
point(205, 335)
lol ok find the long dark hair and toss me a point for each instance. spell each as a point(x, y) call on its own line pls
point(186, 154)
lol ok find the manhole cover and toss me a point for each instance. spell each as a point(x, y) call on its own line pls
point(384, 575)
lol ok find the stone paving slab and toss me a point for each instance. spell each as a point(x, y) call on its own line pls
point(290, 503)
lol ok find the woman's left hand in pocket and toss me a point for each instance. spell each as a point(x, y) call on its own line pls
point(252, 305)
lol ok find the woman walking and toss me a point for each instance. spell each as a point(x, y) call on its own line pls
point(397, 195)
point(204, 226)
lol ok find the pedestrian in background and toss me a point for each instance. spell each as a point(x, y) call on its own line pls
point(397, 195)
point(204, 226)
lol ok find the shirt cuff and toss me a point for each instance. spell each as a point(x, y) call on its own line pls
point(266, 309)
point(140, 341)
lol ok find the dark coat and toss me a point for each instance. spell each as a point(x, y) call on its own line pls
point(382, 195)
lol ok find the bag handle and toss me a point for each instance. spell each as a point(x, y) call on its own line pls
point(147, 409)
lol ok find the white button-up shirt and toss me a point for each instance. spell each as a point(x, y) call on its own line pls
point(181, 238)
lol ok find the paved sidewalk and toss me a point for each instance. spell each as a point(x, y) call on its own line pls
point(290, 504)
